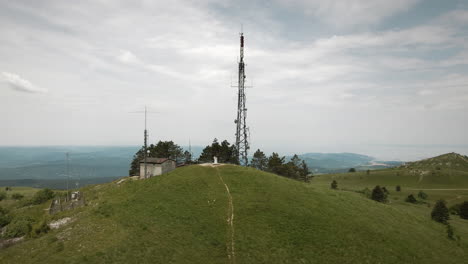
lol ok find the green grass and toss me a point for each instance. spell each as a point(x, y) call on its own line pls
point(181, 217)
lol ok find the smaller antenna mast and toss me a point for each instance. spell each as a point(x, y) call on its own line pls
point(67, 155)
point(146, 144)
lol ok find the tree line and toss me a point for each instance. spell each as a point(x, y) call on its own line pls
point(226, 153)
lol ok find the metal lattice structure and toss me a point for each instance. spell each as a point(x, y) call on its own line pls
point(242, 131)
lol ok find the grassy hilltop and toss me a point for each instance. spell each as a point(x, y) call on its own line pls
point(182, 217)
point(444, 176)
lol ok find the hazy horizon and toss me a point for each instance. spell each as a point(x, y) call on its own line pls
point(379, 152)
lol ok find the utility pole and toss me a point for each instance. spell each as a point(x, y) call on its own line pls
point(190, 150)
point(146, 144)
point(68, 173)
point(242, 131)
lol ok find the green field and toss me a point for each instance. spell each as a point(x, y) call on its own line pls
point(442, 177)
point(184, 217)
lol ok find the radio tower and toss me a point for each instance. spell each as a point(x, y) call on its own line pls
point(242, 131)
point(146, 145)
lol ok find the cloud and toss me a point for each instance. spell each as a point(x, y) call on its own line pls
point(350, 13)
point(17, 83)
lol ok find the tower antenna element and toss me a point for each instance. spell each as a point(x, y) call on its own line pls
point(242, 131)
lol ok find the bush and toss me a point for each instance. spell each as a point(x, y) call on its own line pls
point(422, 195)
point(440, 213)
point(378, 195)
point(42, 196)
point(352, 170)
point(40, 228)
point(334, 185)
point(18, 228)
point(17, 196)
point(398, 188)
point(411, 199)
point(3, 196)
point(464, 210)
point(4, 217)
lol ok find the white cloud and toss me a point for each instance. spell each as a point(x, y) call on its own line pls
point(115, 57)
point(20, 84)
point(350, 13)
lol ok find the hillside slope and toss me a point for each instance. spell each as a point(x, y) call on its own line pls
point(185, 217)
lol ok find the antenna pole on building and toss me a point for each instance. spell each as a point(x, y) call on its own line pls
point(242, 131)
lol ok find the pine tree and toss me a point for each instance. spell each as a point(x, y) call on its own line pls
point(378, 195)
point(259, 160)
point(305, 173)
point(334, 185)
point(296, 160)
point(440, 213)
point(275, 164)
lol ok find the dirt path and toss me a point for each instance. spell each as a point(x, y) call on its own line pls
point(230, 220)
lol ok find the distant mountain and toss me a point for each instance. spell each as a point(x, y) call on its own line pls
point(342, 162)
point(45, 164)
point(446, 161)
point(42, 163)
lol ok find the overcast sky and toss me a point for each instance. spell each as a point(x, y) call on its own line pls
point(327, 75)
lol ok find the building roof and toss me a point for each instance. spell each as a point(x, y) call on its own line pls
point(155, 160)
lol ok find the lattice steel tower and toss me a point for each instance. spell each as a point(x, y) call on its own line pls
point(242, 131)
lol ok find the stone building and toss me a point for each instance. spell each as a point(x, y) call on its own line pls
point(156, 166)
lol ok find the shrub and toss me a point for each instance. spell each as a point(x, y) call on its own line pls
point(42, 196)
point(17, 196)
point(18, 228)
point(334, 185)
point(40, 228)
point(378, 195)
point(398, 188)
point(464, 210)
point(3, 196)
point(4, 217)
point(352, 170)
point(410, 199)
point(440, 212)
point(422, 195)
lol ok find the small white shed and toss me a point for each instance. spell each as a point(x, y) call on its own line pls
point(156, 166)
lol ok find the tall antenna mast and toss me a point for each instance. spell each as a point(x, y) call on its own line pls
point(146, 144)
point(242, 144)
